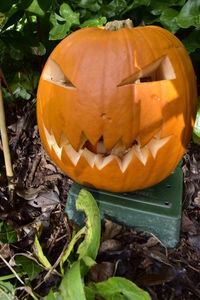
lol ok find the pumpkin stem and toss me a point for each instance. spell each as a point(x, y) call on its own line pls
point(116, 25)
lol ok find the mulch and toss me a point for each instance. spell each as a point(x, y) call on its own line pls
point(39, 201)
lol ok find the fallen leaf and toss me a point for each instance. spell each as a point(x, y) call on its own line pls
point(101, 272)
point(111, 230)
point(187, 225)
point(110, 245)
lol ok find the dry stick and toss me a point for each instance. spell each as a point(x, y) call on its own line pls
point(4, 138)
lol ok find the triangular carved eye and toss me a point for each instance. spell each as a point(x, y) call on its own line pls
point(54, 74)
point(161, 69)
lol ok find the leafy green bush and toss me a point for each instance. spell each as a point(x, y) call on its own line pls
point(30, 29)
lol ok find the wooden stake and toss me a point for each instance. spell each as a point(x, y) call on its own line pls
point(4, 138)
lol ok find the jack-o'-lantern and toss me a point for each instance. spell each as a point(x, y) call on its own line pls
point(116, 108)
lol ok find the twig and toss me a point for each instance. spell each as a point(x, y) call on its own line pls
point(6, 151)
point(12, 270)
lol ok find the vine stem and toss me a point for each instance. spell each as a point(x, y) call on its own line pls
point(4, 138)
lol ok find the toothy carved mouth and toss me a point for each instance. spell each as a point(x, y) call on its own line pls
point(102, 158)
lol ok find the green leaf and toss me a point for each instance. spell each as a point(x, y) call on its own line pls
point(192, 41)
point(94, 22)
point(5, 5)
point(29, 266)
point(196, 129)
point(52, 296)
point(71, 286)
point(39, 253)
point(62, 24)
point(114, 8)
point(90, 245)
point(67, 13)
point(7, 234)
point(91, 5)
point(89, 293)
point(6, 291)
point(58, 32)
point(158, 6)
point(71, 246)
point(168, 19)
point(45, 4)
point(189, 14)
point(21, 92)
point(115, 287)
point(35, 9)
point(136, 3)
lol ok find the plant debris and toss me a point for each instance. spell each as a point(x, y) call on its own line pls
point(39, 208)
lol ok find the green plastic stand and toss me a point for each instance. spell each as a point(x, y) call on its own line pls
point(156, 210)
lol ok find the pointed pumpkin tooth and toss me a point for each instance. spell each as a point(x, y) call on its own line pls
point(63, 140)
point(155, 144)
point(126, 160)
point(89, 156)
point(101, 161)
point(141, 153)
point(72, 154)
point(50, 138)
point(118, 149)
point(83, 140)
point(57, 149)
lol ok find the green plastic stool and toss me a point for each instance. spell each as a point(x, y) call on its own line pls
point(156, 210)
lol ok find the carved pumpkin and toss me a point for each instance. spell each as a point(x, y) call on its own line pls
point(116, 108)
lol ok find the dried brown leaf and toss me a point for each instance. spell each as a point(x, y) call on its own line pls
point(111, 230)
point(187, 225)
point(101, 272)
point(110, 245)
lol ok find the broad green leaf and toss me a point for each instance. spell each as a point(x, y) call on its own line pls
point(39, 253)
point(91, 5)
point(135, 4)
point(192, 41)
point(5, 5)
point(51, 296)
point(7, 234)
point(71, 286)
point(115, 287)
point(45, 4)
point(60, 27)
point(35, 9)
point(71, 247)
point(21, 92)
point(168, 19)
point(88, 261)
point(196, 129)
point(90, 245)
point(189, 14)
point(29, 266)
point(89, 293)
point(94, 22)
point(58, 32)
point(114, 8)
point(158, 6)
point(70, 16)
point(6, 291)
